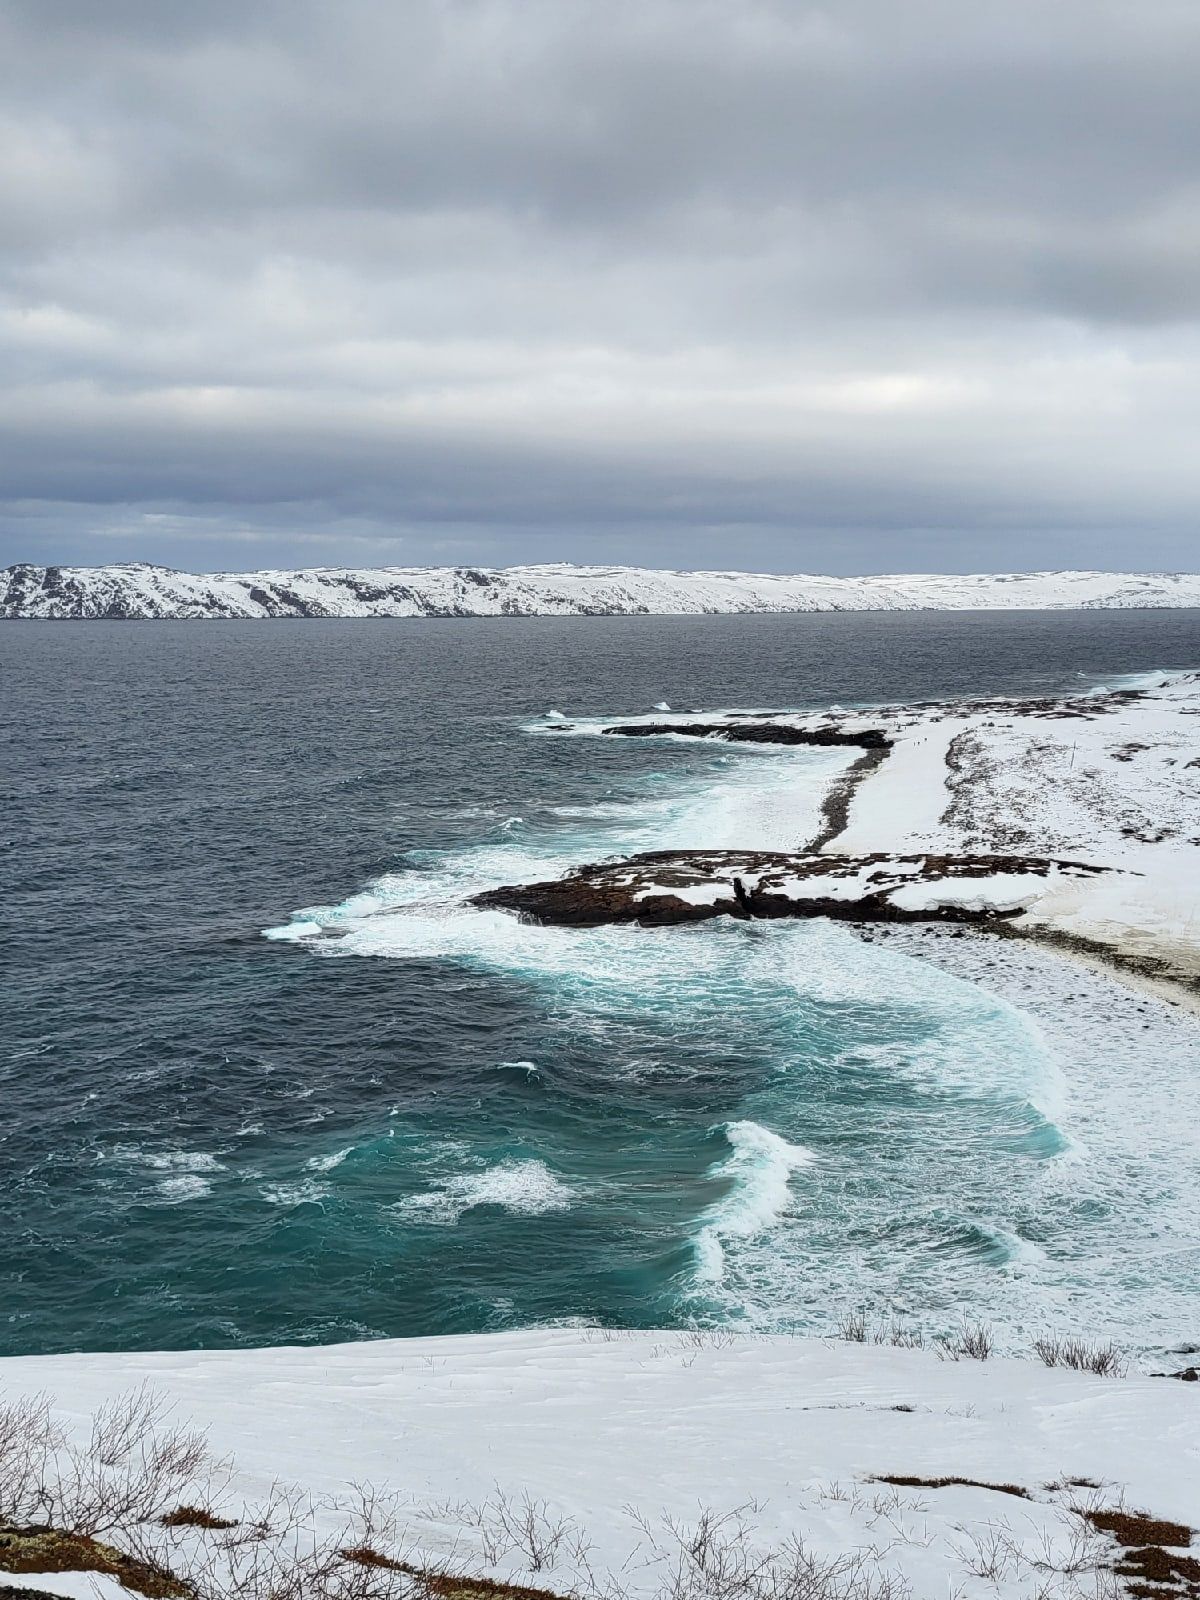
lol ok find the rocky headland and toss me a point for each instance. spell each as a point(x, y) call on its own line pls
point(661, 888)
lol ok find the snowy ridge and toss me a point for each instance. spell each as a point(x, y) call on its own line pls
point(138, 590)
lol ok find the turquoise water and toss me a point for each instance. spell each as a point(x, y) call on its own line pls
point(699, 1099)
point(270, 1080)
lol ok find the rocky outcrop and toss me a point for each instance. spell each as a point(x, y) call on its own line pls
point(665, 887)
point(759, 733)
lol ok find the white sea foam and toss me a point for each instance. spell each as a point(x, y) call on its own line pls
point(769, 802)
point(301, 928)
point(971, 1042)
point(187, 1186)
point(1019, 1252)
point(1152, 679)
point(307, 1192)
point(529, 1068)
point(963, 1040)
point(765, 796)
point(328, 1163)
point(759, 1169)
point(183, 1161)
point(526, 1188)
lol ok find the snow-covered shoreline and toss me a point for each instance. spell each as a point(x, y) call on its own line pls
point(140, 591)
point(1113, 780)
point(1110, 777)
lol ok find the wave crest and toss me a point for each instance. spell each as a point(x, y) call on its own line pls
point(759, 1168)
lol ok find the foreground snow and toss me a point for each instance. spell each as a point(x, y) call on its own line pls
point(140, 590)
point(597, 1424)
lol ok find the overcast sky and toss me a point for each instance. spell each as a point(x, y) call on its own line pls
point(878, 285)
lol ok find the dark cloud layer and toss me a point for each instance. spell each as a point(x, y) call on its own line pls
point(852, 287)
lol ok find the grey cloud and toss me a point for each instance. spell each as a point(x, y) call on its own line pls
point(861, 281)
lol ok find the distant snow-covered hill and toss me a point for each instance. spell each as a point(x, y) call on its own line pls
point(137, 590)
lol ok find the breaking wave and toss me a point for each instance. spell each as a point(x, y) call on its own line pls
point(758, 1168)
point(329, 1162)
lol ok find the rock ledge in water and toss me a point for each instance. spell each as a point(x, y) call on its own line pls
point(664, 887)
point(758, 733)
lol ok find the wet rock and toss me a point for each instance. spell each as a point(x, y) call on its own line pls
point(759, 733)
point(663, 888)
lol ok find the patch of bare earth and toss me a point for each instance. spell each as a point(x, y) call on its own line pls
point(1150, 1560)
point(902, 1482)
point(195, 1517)
point(445, 1585)
point(38, 1549)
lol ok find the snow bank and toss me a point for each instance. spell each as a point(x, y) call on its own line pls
point(1111, 778)
point(595, 1423)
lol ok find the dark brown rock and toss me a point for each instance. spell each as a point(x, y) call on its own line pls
point(666, 887)
point(759, 733)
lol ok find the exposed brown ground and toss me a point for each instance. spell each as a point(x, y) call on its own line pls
point(447, 1586)
point(902, 1482)
point(49, 1550)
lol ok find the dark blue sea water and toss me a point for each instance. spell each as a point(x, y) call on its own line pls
point(430, 1119)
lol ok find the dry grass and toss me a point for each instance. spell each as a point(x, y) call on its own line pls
point(1104, 1360)
point(1149, 1554)
point(976, 1342)
point(132, 1467)
point(363, 1555)
point(972, 1342)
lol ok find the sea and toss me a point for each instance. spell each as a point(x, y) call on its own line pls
point(267, 1079)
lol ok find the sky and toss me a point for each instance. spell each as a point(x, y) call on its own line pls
point(856, 287)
